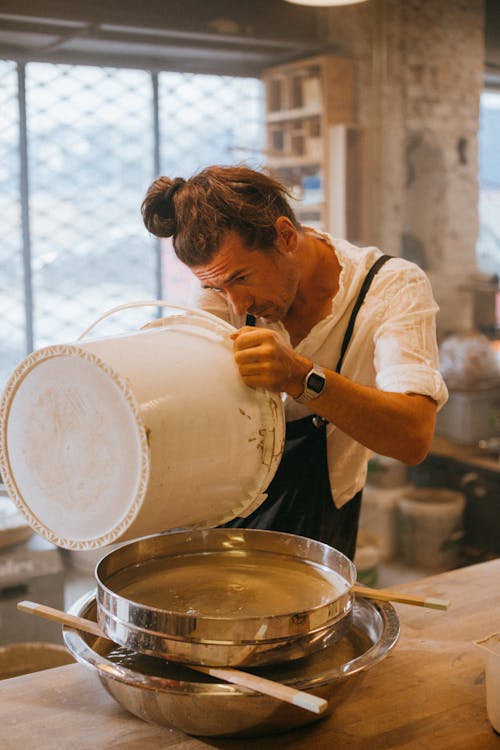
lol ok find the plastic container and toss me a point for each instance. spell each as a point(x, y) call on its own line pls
point(23, 658)
point(470, 416)
point(490, 651)
point(430, 527)
point(112, 439)
point(379, 516)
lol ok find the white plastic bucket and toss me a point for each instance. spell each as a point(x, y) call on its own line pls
point(379, 516)
point(430, 525)
point(490, 649)
point(115, 438)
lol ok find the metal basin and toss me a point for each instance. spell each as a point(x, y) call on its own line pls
point(225, 597)
point(174, 696)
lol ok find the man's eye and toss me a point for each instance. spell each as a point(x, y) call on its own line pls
point(212, 288)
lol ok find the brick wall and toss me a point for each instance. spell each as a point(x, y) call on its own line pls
point(420, 66)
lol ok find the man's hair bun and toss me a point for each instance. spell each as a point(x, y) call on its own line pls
point(158, 208)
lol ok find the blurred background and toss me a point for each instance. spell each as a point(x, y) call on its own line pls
point(400, 147)
point(383, 118)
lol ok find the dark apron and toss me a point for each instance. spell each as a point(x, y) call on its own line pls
point(299, 498)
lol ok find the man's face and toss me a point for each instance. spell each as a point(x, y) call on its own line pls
point(260, 282)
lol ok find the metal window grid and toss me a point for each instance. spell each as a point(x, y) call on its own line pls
point(78, 147)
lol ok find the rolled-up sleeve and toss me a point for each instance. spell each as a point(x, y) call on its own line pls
point(406, 351)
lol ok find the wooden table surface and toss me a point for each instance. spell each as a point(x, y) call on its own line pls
point(428, 693)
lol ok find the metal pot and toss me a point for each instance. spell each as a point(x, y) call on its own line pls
point(225, 597)
point(174, 696)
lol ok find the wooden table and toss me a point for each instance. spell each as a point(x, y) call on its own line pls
point(428, 693)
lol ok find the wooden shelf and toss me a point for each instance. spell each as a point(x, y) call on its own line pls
point(290, 160)
point(467, 454)
point(312, 137)
point(285, 115)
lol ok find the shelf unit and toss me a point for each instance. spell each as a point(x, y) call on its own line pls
point(314, 145)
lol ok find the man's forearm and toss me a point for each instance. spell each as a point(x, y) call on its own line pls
point(392, 424)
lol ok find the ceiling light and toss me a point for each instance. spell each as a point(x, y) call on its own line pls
point(324, 3)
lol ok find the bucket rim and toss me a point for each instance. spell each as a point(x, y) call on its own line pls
point(18, 376)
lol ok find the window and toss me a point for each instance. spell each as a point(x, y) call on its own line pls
point(488, 247)
point(79, 146)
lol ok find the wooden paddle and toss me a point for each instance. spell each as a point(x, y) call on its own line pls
point(383, 595)
point(244, 679)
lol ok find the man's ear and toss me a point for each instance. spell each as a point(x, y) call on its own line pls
point(287, 234)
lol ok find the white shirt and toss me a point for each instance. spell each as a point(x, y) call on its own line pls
point(393, 346)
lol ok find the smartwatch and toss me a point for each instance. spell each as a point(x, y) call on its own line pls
point(314, 384)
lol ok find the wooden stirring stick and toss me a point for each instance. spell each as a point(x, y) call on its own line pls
point(244, 679)
point(393, 596)
point(64, 618)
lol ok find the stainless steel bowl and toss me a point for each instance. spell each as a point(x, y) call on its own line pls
point(225, 597)
point(172, 695)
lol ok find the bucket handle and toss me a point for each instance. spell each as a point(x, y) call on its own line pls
point(150, 303)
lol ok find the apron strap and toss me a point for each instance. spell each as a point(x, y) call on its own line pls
point(361, 298)
point(317, 420)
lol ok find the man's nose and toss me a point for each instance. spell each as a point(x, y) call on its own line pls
point(240, 301)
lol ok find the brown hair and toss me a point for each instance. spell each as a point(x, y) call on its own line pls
point(197, 213)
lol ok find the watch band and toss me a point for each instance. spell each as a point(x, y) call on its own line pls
point(314, 384)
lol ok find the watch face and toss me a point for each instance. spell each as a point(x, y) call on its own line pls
point(315, 382)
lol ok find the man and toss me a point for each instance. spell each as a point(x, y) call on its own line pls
point(348, 338)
